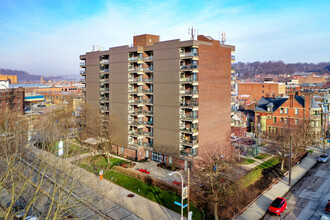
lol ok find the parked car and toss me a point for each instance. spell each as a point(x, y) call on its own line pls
point(323, 158)
point(278, 206)
point(327, 207)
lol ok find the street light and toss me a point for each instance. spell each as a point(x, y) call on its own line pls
point(170, 174)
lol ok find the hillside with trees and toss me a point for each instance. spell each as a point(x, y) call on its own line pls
point(23, 76)
point(247, 70)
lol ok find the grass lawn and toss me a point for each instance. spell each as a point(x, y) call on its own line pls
point(246, 161)
point(96, 163)
point(153, 193)
point(256, 173)
point(262, 156)
point(68, 151)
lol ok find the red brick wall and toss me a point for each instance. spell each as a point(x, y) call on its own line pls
point(12, 99)
point(258, 90)
point(214, 95)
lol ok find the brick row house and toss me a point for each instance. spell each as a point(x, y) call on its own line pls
point(274, 114)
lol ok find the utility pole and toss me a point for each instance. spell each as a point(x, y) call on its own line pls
point(188, 189)
point(290, 159)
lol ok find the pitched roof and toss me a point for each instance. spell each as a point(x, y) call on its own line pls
point(274, 104)
point(314, 104)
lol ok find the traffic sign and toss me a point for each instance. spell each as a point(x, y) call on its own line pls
point(185, 192)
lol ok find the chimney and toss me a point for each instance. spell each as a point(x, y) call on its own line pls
point(307, 101)
point(291, 97)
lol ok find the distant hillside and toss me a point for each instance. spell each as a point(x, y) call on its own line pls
point(279, 67)
point(23, 76)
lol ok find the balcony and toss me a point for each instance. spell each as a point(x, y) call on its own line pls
point(131, 79)
point(103, 100)
point(148, 80)
point(189, 142)
point(135, 133)
point(148, 101)
point(189, 104)
point(188, 116)
point(82, 80)
point(148, 145)
point(148, 90)
point(189, 55)
point(83, 89)
point(82, 72)
point(149, 58)
point(106, 80)
point(149, 69)
point(82, 64)
point(150, 134)
point(189, 67)
point(232, 59)
point(105, 61)
point(135, 59)
point(188, 79)
point(193, 93)
point(104, 109)
point(104, 71)
point(104, 90)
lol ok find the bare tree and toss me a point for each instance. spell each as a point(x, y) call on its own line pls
point(213, 177)
point(32, 180)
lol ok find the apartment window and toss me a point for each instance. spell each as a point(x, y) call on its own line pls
point(296, 122)
point(296, 111)
point(282, 119)
point(170, 160)
point(286, 111)
point(122, 150)
point(263, 86)
point(274, 119)
point(281, 110)
point(316, 124)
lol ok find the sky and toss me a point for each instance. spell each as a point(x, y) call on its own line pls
point(46, 37)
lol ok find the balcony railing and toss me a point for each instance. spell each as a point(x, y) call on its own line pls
point(104, 89)
point(189, 130)
point(82, 72)
point(104, 80)
point(130, 79)
point(104, 109)
point(82, 64)
point(149, 69)
point(188, 116)
point(104, 70)
point(83, 80)
point(148, 79)
point(188, 104)
point(189, 142)
point(148, 134)
point(148, 145)
point(188, 79)
point(149, 58)
point(104, 62)
point(133, 59)
point(191, 66)
point(233, 58)
point(189, 54)
point(189, 92)
point(133, 70)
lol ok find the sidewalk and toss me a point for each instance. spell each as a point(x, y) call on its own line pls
point(142, 207)
point(259, 207)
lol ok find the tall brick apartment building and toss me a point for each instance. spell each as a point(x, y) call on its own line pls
point(172, 98)
point(12, 99)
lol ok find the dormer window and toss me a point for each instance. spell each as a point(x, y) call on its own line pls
point(269, 108)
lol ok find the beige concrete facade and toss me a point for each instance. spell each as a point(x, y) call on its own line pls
point(171, 98)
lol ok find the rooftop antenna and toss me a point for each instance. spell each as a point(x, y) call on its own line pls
point(192, 32)
point(223, 38)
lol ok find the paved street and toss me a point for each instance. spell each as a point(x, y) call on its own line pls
point(307, 199)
